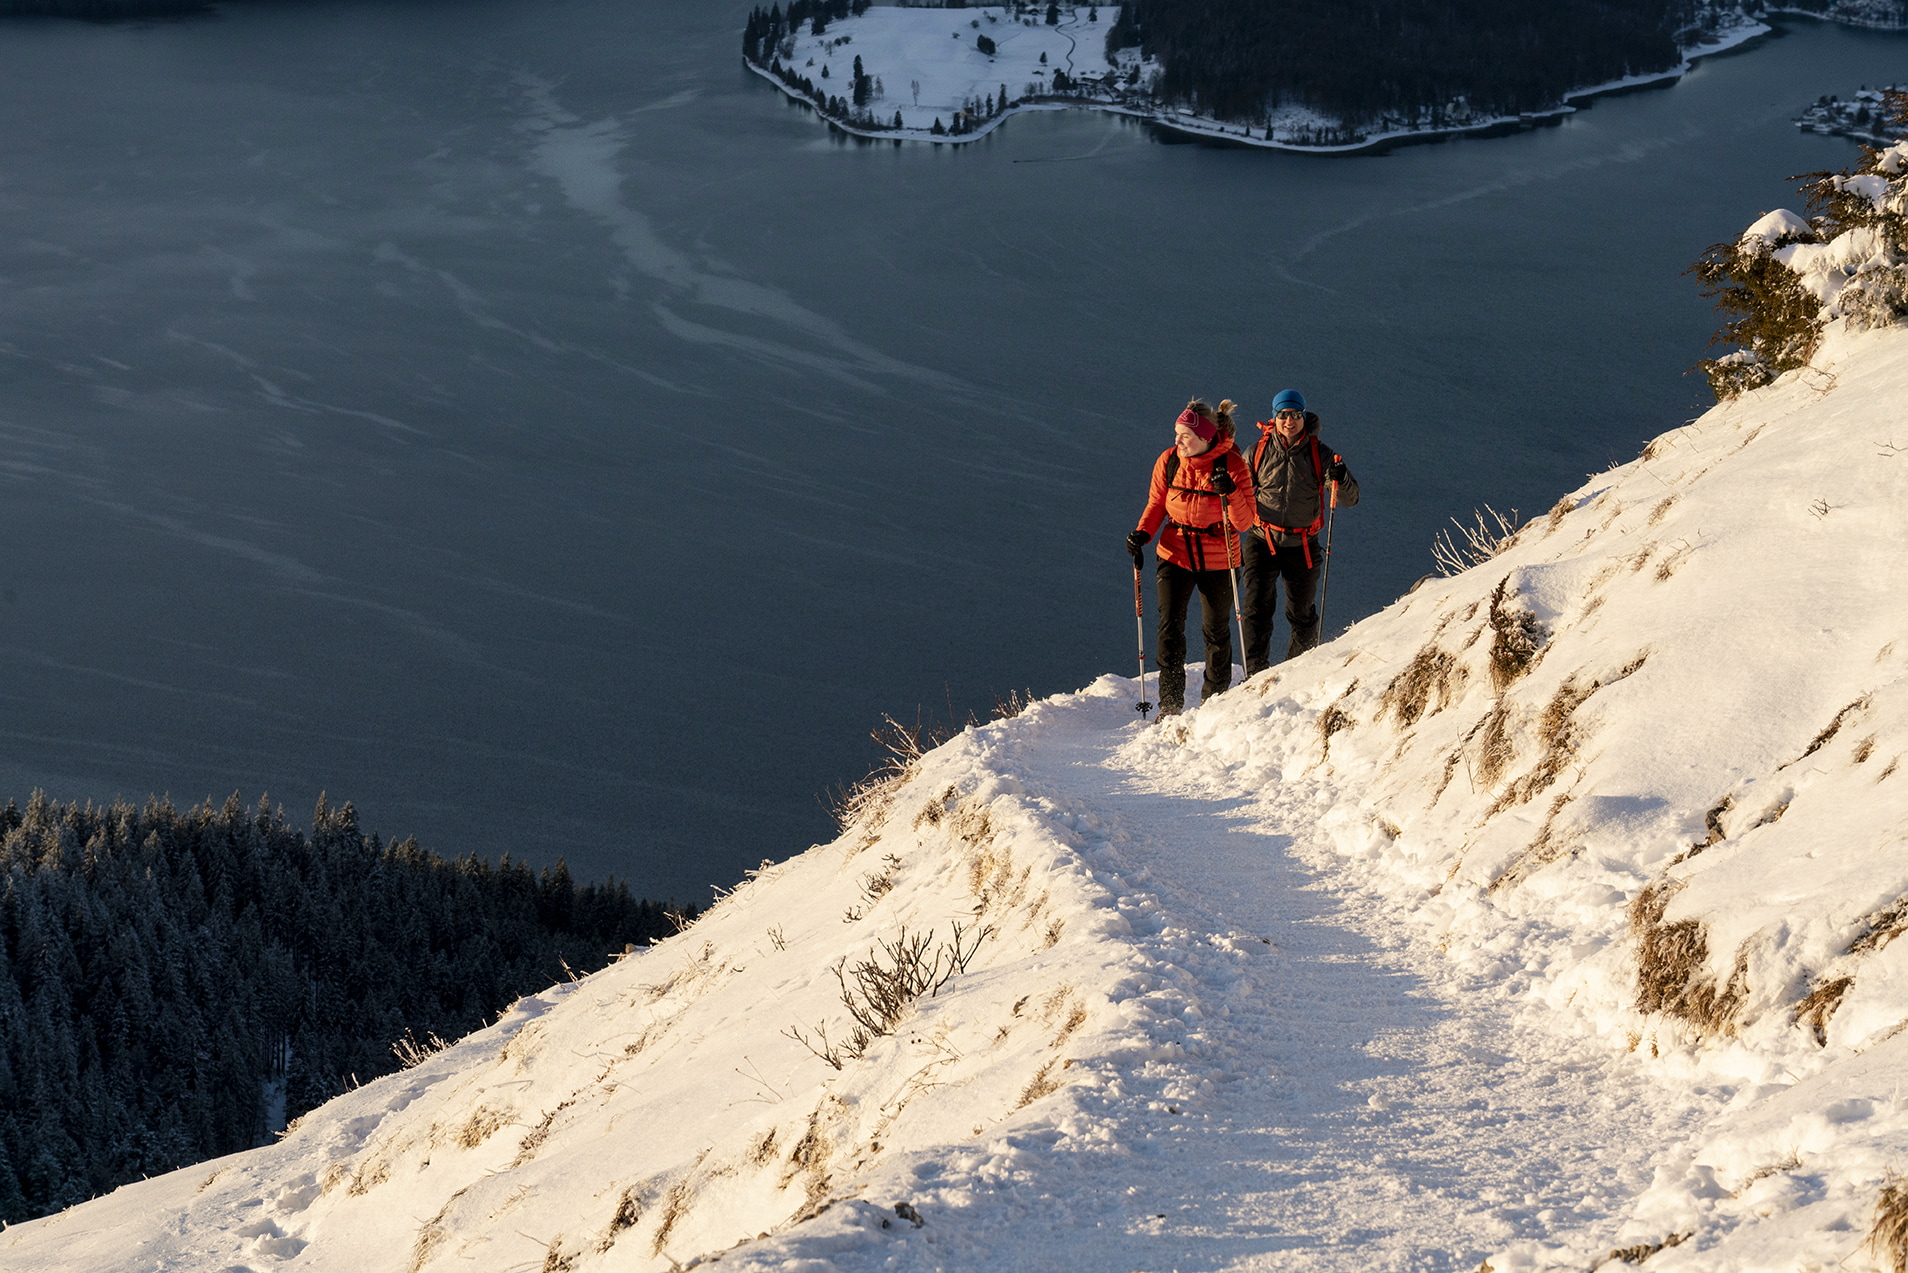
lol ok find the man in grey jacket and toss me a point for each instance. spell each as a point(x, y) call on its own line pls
point(1295, 474)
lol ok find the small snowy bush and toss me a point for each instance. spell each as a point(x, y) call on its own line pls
point(1789, 276)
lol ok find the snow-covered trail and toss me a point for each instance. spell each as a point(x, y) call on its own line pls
point(1344, 1102)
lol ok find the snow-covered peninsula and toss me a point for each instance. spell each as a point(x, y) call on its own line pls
point(1542, 920)
point(954, 74)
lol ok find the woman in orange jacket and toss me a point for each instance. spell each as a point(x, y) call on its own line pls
point(1202, 495)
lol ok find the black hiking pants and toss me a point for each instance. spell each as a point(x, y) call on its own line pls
point(1176, 587)
point(1263, 571)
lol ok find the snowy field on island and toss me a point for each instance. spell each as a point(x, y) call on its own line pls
point(929, 63)
point(1342, 970)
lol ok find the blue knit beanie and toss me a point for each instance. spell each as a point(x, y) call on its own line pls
point(1288, 398)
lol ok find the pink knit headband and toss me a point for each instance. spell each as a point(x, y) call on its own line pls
point(1205, 428)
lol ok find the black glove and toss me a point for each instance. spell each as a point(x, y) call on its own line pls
point(1136, 540)
point(1336, 471)
point(1221, 480)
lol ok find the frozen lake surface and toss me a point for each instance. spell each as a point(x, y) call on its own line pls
point(523, 422)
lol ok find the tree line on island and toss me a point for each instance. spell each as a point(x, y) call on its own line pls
point(1398, 63)
point(1357, 68)
point(175, 985)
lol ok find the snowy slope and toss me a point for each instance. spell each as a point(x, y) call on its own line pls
point(1339, 971)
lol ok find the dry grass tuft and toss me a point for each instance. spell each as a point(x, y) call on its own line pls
point(1042, 1084)
point(1834, 727)
point(675, 1207)
point(1544, 850)
point(1672, 966)
point(368, 1177)
point(1052, 933)
point(1334, 719)
point(1815, 1010)
point(1517, 637)
point(527, 1148)
point(629, 1210)
point(1642, 1251)
point(1495, 750)
point(934, 810)
point(484, 1121)
point(556, 1260)
point(1888, 1237)
point(1560, 736)
point(1558, 511)
point(1074, 1021)
point(1883, 927)
point(429, 1239)
point(868, 802)
point(1431, 671)
point(1663, 506)
point(1863, 750)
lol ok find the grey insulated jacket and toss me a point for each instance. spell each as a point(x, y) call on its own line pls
point(1288, 485)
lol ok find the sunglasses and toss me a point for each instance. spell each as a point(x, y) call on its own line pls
point(1288, 414)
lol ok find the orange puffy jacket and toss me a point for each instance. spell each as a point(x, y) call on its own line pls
point(1191, 510)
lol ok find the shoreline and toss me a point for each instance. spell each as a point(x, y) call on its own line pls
point(1199, 128)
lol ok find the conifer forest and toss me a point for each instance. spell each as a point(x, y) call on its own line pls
point(174, 985)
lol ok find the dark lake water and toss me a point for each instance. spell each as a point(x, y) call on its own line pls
point(519, 420)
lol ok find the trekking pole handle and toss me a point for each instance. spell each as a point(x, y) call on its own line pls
point(1336, 459)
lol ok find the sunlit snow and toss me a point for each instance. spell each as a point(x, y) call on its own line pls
point(1338, 971)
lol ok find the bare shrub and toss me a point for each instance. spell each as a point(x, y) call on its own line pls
point(1431, 671)
point(879, 990)
point(1516, 637)
point(1819, 1005)
point(1672, 961)
point(1888, 1236)
point(1490, 533)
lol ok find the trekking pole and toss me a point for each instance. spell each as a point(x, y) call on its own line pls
point(1238, 616)
point(1139, 627)
point(1325, 577)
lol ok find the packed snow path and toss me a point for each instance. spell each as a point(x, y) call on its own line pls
point(1343, 1104)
